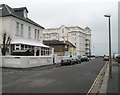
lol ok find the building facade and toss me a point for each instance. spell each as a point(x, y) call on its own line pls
point(61, 48)
point(25, 34)
point(119, 27)
point(78, 36)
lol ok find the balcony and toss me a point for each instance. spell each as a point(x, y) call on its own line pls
point(86, 44)
point(87, 51)
point(87, 47)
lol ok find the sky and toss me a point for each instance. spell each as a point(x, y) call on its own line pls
point(54, 13)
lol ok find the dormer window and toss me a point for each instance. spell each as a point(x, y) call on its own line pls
point(22, 12)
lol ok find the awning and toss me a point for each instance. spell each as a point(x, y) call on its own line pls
point(28, 42)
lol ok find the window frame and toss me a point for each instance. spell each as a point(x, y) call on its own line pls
point(17, 28)
point(29, 32)
point(35, 36)
point(21, 29)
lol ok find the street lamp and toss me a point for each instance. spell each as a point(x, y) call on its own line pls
point(110, 60)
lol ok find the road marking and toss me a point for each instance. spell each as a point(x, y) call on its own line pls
point(105, 82)
point(97, 79)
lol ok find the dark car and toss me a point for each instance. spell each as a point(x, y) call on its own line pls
point(84, 58)
point(66, 61)
point(106, 58)
point(76, 60)
point(118, 58)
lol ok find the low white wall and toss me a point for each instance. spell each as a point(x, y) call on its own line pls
point(29, 61)
point(25, 61)
point(59, 58)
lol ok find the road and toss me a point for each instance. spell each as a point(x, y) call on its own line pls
point(63, 79)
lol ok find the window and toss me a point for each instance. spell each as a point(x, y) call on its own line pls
point(12, 47)
point(22, 47)
point(38, 35)
point(75, 34)
point(21, 30)
point(29, 30)
point(75, 39)
point(17, 47)
point(62, 30)
point(26, 47)
point(66, 46)
point(35, 33)
point(42, 51)
point(17, 28)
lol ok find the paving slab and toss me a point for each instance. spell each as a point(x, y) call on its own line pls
point(113, 83)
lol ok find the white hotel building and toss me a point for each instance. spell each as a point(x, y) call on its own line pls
point(25, 33)
point(78, 36)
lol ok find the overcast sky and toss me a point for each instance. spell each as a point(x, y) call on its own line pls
point(54, 13)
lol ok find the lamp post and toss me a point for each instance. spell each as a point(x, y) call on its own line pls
point(110, 60)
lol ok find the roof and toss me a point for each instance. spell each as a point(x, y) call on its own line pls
point(87, 28)
point(70, 27)
point(28, 42)
point(70, 44)
point(53, 42)
point(52, 28)
point(5, 10)
point(57, 42)
point(74, 27)
point(21, 8)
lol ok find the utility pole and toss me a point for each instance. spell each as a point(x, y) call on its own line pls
point(110, 58)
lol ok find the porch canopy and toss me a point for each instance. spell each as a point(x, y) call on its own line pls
point(29, 42)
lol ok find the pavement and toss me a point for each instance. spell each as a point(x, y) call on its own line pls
point(103, 84)
point(113, 83)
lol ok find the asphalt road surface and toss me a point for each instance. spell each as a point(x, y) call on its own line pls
point(76, 78)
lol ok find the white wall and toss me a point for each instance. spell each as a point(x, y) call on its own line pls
point(58, 31)
point(4, 27)
point(9, 26)
point(26, 62)
point(25, 29)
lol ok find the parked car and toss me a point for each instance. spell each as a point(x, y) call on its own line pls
point(84, 58)
point(91, 56)
point(115, 55)
point(66, 61)
point(106, 58)
point(118, 58)
point(75, 60)
point(79, 59)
